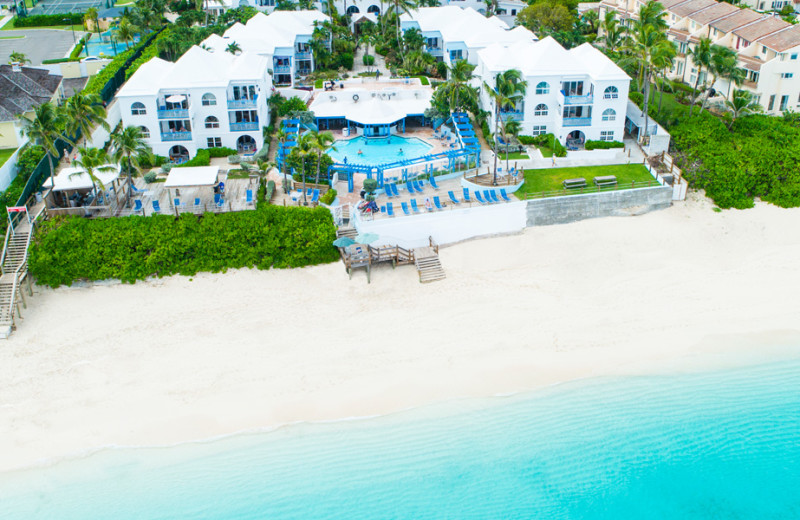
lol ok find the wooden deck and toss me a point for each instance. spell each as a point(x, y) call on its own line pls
point(425, 259)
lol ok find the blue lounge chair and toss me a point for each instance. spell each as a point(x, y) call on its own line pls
point(466, 196)
point(414, 205)
point(453, 198)
point(479, 198)
point(197, 202)
point(493, 195)
point(437, 202)
point(249, 197)
point(178, 203)
point(433, 182)
point(137, 206)
point(135, 189)
point(504, 195)
point(487, 196)
point(389, 209)
point(417, 186)
point(389, 189)
point(405, 208)
point(395, 190)
point(409, 187)
point(218, 200)
point(315, 196)
point(156, 207)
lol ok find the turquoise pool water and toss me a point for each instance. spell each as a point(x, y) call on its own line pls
point(378, 150)
point(96, 47)
point(722, 445)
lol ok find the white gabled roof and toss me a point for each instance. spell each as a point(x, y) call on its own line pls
point(264, 33)
point(373, 107)
point(547, 57)
point(146, 79)
point(466, 25)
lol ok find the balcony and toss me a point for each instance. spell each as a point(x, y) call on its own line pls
point(564, 99)
point(577, 121)
point(176, 113)
point(234, 104)
point(241, 127)
point(302, 55)
point(176, 136)
point(512, 116)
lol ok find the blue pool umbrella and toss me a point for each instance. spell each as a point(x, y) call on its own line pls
point(366, 238)
point(343, 242)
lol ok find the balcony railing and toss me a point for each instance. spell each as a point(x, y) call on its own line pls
point(285, 69)
point(176, 136)
point(513, 116)
point(577, 121)
point(577, 100)
point(302, 55)
point(175, 113)
point(241, 103)
point(240, 127)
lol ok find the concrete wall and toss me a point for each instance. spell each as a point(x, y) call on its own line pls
point(563, 210)
point(9, 170)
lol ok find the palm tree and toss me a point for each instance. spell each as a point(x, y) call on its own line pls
point(459, 75)
point(723, 60)
point(18, 57)
point(319, 142)
point(651, 26)
point(741, 104)
point(701, 56)
point(92, 15)
point(125, 32)
point(83, 111)
point(128, 145)
point(399, 7)
point(282, 137)
point(663, 59)
point(233, 48)
point(93, 161)
point(612, 32)
point(508, 128)
point(509, 88)
point(304, 147)
point(44, 129)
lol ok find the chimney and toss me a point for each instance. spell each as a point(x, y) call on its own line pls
point(15, 66)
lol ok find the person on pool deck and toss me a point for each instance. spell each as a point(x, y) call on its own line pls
point(428, 204)
point(360, 152)
point(345, 159)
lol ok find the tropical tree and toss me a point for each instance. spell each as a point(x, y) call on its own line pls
point(282, 136)
point(83, 112)
point(92, 15)
point(741, 104)
point(398, 7)
point(509, 88)
point(44, 129)
point(723, 61)
point(128, 145)
point(589, 19)
point(663, 59)
point(612, 32)
point(203, 5)
point(305, 147)
point(93, 161)
point(459, 74)
point(126, 32)
point(701, 56)
point(233, 48)
point(509, 128)
point(18, 57)
point(652, 20)
point(319, 142)
point(546, 17)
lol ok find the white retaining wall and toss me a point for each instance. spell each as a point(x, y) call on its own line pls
point(9, 170)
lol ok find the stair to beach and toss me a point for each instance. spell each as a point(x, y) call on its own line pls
point(15, 269)
point(428, 265)
point(346, 231)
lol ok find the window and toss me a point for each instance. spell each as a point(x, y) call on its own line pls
point(539, 129)
point(787, 75)
point(137, 109)
point(611, 93)
point(456, 55)
point(513, 12)
point(680, 68)
point(763, 49)
point(606, 135)
point(610, 115)
point(793, 56)
point(353, 10)
point(145, 132)
point(432, 43)
point(784, 102)
point(540, 110)
point(212, 122)
point(214, 142)
point(542, 88)
point(209, 100)
point(771, 104)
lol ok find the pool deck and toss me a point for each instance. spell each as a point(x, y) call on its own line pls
point(423, 133)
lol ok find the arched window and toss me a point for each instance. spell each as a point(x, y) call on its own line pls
point(611, 93)
point(137, 109)
point(374, 9)
point(610, 115)
point(353, 10)
point(145, 132)
point(540, 110)
point(212, 122)
point(543, 88)
point(209, 100)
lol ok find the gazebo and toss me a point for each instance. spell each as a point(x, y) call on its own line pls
point(73, 187)
point(191, 177)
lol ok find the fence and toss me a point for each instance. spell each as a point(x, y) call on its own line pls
point(592, 189)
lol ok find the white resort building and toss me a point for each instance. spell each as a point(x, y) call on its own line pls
point(768, 47)
point(575, 94)
point(452, 33)
point(204, 100)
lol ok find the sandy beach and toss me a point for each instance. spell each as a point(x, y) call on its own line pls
point(182, 359)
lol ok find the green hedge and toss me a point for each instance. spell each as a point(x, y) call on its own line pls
point(203, 158)
point(544, 140)
point(150, 52)
point(27, 161)
point(134, 248)
point(603, 145)
point(221, 151)
point(76, 52)
point(48, 20)
point(99, 80)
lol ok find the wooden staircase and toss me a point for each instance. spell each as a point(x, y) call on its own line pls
point(346, 232)
point(14, 263)
point(429, 268)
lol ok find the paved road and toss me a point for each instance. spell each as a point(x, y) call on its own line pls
point(37, 44)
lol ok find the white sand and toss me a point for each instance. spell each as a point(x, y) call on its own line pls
point(180, 359)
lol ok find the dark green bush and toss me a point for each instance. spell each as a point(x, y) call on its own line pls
point(328, 197)
point(134, 248)
point(147, 161)
point(368, 60)
point(528, 139)
point(344, 59)
point(48, 20)
point(637, 97)
point(220, 152)
point(269, 191)
point(603, 145)
point(293, 104)
point(203, 158)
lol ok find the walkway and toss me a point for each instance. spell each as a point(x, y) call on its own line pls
point(358, 62)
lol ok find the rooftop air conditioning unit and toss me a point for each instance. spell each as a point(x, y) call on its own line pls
point(374, 94)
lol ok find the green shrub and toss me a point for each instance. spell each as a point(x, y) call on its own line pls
point(234, 159)
point(368, 60)
point(344, 59)
point(49, 20)
point(151, 160)
point(528, 139)
point(203, 158)
point(293, 104)
point(637, 97)
point(603, 145)
point(328, 197)
point(220, 152)
point(130, 249)
point(76, 52)
point(269, 191)
point(150, 176)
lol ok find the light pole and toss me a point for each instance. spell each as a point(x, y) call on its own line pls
point(67, 20)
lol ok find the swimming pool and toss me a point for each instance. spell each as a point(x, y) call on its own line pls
point(378, 150)
point(103, 46)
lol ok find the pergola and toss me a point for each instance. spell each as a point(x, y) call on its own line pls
point(76, 180)
point(191, 177)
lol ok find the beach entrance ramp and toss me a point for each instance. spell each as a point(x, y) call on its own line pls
point(426, 260)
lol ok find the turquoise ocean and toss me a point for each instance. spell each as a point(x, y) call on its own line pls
point(717, 445)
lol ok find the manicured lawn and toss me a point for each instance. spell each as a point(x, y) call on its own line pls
point(10, 27)
point(5, 153)
point(546, 151)
point(550, 179)
point(11, 37)
point(515, 156)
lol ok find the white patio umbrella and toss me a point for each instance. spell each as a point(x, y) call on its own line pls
point(176, 98)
